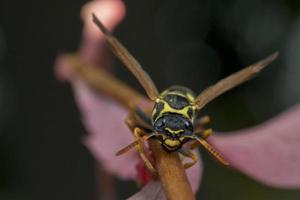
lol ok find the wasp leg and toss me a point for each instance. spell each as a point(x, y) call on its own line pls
point(138, 133)
point(128, 147)
point(202, 121)
point(199, 130)
point(203, 134)
point(206, 133)
point(131, 125)
point(188, 153)
point(141, 134)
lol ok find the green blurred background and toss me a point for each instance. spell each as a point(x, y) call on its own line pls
point(192, 43)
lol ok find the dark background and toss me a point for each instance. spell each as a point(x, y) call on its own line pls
point(192, 43)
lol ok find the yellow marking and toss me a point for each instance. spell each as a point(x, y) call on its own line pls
point(194, 107)
point(174, 132)
point(168, 108)
point(164, 136)
point(206, 133)
point(154, 111)
point(172, 143)
point(190, 97)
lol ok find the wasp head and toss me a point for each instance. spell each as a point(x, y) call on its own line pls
point(173, 128)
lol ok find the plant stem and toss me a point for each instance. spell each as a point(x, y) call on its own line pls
point(168, 165)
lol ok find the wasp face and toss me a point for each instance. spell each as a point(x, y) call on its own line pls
point(173, 129)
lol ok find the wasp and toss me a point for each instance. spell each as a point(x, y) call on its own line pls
point(174, 121)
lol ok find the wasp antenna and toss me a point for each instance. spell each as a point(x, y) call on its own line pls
point(232, 81)
point(128, 60)
point(265, 62)
point(100, 25)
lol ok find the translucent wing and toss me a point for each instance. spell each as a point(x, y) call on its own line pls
point(232, 81)
point(129, 61)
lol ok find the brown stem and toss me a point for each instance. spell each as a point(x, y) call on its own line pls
point(168, 165)
point(171, 173)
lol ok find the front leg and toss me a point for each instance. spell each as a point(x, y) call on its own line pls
point(139, 134)
point(198, 127)
point(188, 153)
point(130, 121)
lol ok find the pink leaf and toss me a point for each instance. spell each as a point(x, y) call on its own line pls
point(269, 153)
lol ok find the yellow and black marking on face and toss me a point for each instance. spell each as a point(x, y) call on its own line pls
point(173, 116)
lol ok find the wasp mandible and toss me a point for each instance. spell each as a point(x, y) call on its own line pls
point(174, 119)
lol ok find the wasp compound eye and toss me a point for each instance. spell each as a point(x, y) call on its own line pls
point(187, 124)
point(160, 124)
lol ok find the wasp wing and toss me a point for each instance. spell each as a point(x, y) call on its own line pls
point(129, 61)
point(232, 81)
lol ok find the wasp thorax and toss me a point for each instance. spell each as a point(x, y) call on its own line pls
point(176, 100)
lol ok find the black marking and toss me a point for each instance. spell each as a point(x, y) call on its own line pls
point(174, 122)
point(176, 102)
point(158, 108)
point(182, 90)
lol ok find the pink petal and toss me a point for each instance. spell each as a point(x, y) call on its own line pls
point(110, 12)
point(269, 153)
point(104, 120)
